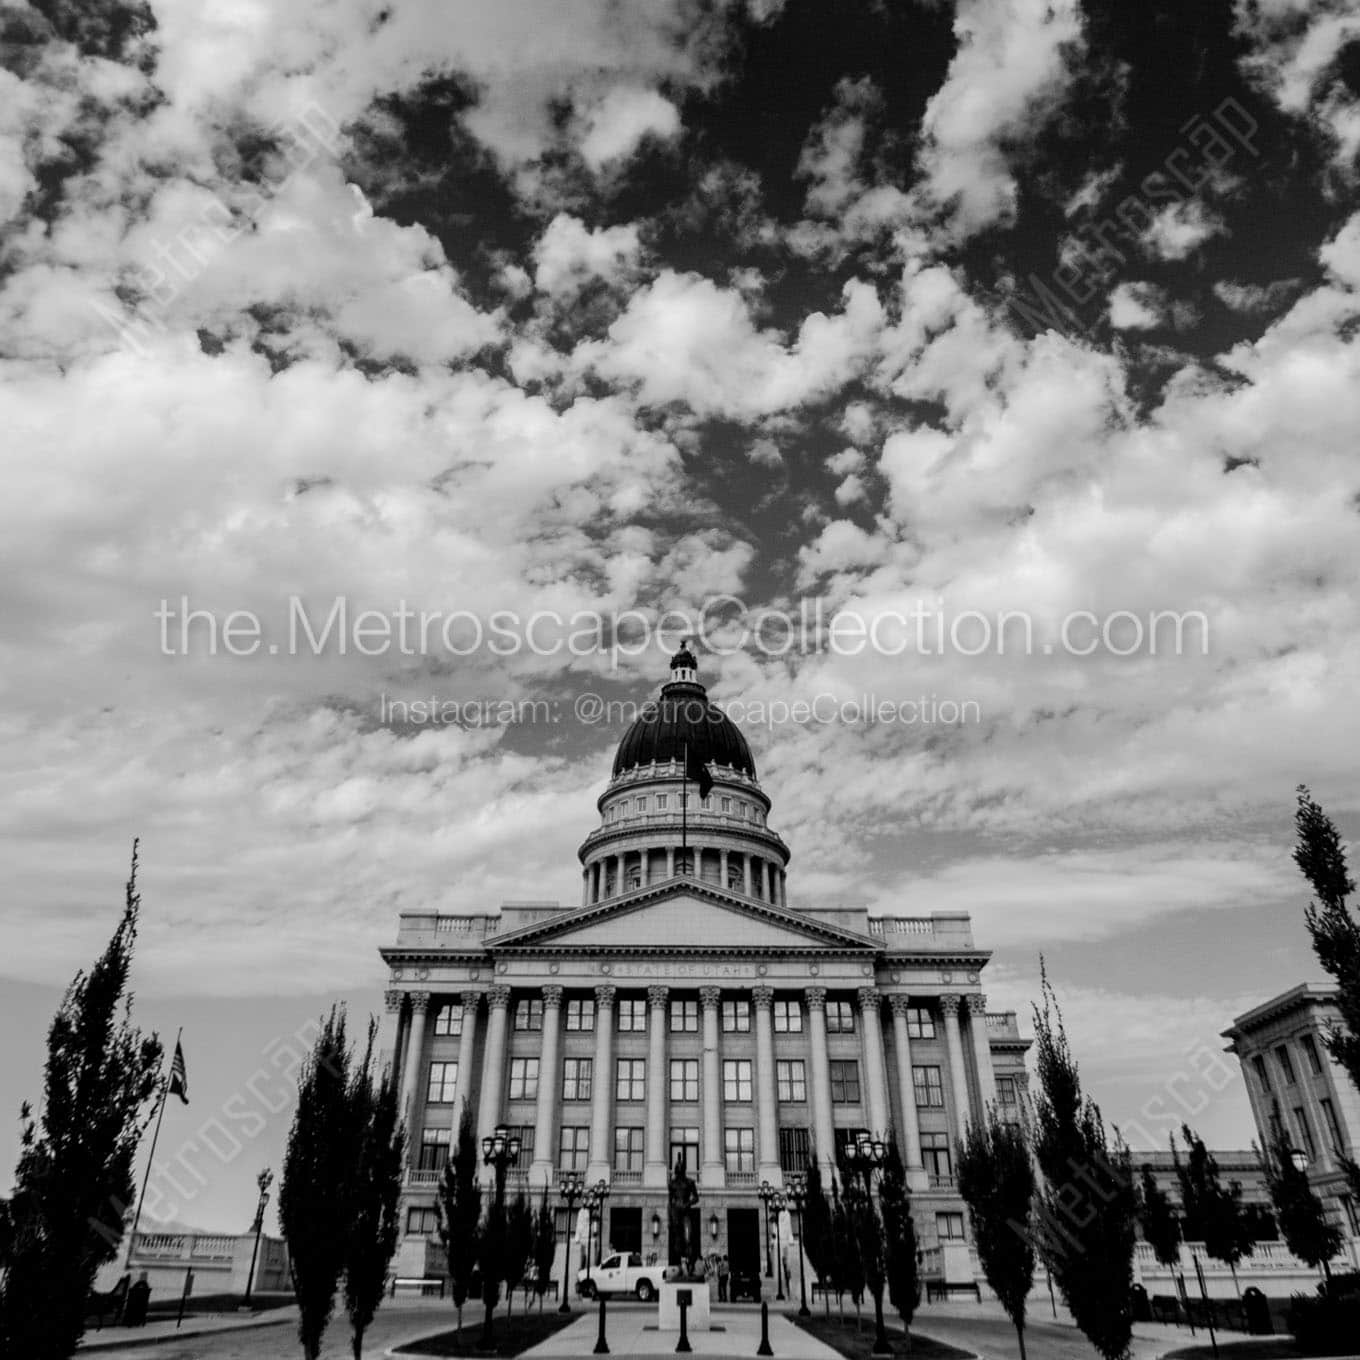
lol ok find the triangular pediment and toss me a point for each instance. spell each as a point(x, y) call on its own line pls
point(683, 916)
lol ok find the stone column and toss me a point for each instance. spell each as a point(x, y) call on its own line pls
point(769, 880)
point(746, 874)
point(602, 1093)
point(462, 1091)
point(875, 1069)
point(722, 869)
point(712, 1168)
point(910, 1126)
point(389, 1050)
point(658, 1080)
point(782, 878)
point(958, 1074)
point(493, 1061)
point(670, 861)
point(585, 887)
point(982, 1051)
point(415, 1066)
point(549, 1069)
point(767, 1092)
point(823, 1125)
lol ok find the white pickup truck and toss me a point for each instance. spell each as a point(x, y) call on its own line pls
point(621, 1273)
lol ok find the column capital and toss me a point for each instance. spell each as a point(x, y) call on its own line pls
point(900, 1005)
point(709, 997)
point(392, 1001)
point(815, 998)
point(420, 1001)
point(552, 995)
point(498, 998)
point(977, 1004)
point(604, 995)
point(471, 1000)
point(949, 1004)
point(869, 1000)
point(762, 997)
point(657, 997)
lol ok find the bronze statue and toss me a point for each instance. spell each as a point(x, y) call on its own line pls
point(682, 1217)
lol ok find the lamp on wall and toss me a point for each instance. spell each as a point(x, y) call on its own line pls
point(713, 1226)
point(656, 1226)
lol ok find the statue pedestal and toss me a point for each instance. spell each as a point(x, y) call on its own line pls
point(700, 1314)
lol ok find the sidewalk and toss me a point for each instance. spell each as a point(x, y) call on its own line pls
point(207, 1324)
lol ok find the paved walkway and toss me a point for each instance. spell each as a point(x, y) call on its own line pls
point(125, 1338)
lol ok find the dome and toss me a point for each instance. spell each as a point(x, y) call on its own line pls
point(683, 716)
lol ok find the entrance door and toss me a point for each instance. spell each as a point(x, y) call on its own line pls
point(743, 1242)
point(625, 1228)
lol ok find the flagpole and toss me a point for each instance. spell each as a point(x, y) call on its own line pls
point(684, 812)
point(160, 1114)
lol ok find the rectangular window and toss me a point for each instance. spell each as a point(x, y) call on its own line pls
point(844, 1139)
point(633, 1015)
point(627, 1149)
point(726, 805)
point(525, 1133)
point(685, 1143)
point(949, 1227)
point(788, 1017)
point(1286, 1064)
point(529, 1014)
point(576, 1074)
point(434, 1149)
point(1276, 1129)
point(630, 1079)
point(920, 1023)
point(448, 1020)
point(840, 1017)
point(736, 1079)
point(1005, 1090)
point(790, 1079)
point(736, 1017)
point(795, 1149)
point(684, 1017)
point(581, 1014)
point(929, 1090)
point(1310, 1051)
point(1305, 1132)
point(739, 1150)
point(684, 1079)
point(523, 1078)
point(422, 1219)
point(642, 805)
point(662, 801)
point(573, 1147)
point(443, 1081)
point(1333, 1124)
point(844, 1082)
point(1263, 1076)
point(935, 1154)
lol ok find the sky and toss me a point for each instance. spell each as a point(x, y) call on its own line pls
point(918, 316)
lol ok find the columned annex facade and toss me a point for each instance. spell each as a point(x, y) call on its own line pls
point(686, 1008)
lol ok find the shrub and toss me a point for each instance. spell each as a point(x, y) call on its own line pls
point(1325, 1325)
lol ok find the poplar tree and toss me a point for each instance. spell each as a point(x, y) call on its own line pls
point(459, 1207)
point(996, 1180)
point(1088, 1200)
point(73, 1185)
point(817, 1242)
point(899, 1234)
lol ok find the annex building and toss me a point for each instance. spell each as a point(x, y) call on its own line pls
point(692, 1005)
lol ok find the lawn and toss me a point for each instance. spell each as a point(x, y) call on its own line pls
point(512, 1335)
point(858, 1345)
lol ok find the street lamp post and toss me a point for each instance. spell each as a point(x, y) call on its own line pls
point(796, 1190)
point(594, 1204)
point(500, 1151)
point(865, 1156)
point(773, 1200)
point(263, 1181)
point(765, 1194)
point(569, 1189)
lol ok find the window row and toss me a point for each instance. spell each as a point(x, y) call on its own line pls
point(1313, 1056)
point(630, 1081)
point(644, 804)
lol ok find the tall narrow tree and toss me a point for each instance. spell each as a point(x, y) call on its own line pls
point(1161, 1227)
point(899, 1234)
point(315, 1203)
point(818, 1244)
point(375, 1191)
point(459, 1208)
point(1304, 1224)
point(545, 1246)
point(996, 1180)
point(73, 1184)
point(1213, 1211)
point(519, 1246)
point(1088, 1199)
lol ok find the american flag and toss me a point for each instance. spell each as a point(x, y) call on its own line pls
point(179, 1079)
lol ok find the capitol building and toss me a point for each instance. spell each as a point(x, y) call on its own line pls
point(693, 1005)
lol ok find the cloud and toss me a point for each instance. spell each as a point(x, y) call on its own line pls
point(569, 255)
point(1137, 306)
point(616, 126)
point(1179, 229)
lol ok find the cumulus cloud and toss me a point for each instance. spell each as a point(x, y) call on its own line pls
point(1137, 306)
point(616, 126)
